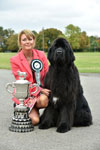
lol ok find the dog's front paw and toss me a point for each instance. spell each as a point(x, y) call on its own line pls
point(44, 125)
point(63, 127)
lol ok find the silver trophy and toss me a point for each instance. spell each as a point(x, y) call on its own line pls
point(21, 121)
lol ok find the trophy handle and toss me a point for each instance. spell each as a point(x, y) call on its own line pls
point(9, 85)
point(35, 85)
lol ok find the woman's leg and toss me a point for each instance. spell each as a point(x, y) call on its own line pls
point(41, 103)
point(34, 115)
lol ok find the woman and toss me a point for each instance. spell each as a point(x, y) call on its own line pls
point(21, 62)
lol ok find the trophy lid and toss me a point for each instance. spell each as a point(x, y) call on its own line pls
point(22, 82)
point(22, 76)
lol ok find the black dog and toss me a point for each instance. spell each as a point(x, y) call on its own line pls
point(67, 106)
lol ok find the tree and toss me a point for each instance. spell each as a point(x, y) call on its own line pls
point(72, 34)
point(48, 36)
point(12, 43)
point(4, 34)
point(93, 43)
point(98, 43)
point(84, 40)
point(34, 32)
point(78, 40)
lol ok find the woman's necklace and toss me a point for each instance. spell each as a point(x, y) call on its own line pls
point(28, 58)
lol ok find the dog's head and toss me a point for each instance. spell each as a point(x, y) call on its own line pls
point(61, 53)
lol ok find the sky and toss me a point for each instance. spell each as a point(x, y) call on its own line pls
point(39, 14)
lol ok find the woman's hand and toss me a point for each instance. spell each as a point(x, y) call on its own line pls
point(45, 91)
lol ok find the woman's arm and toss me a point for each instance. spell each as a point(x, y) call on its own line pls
point(14, 67)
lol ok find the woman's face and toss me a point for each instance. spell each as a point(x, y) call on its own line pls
point(26, 43)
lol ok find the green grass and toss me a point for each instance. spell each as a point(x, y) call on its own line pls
point(86, 62)
point(4, 60)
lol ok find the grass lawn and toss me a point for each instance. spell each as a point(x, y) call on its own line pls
point(86, 62)
point(4, 60)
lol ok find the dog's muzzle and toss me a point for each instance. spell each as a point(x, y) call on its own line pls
point(59, 56)
point(59, 52)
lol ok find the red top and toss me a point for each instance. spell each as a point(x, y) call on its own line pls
point(20, 63)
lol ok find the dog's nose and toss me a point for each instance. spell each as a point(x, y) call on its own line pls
point(59, 51)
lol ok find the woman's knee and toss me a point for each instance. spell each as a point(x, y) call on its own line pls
point(35, 120)
point(44, 100)
point(34, 115)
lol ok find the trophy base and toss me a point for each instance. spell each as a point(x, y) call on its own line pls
point(21, 125)
point(21, 121)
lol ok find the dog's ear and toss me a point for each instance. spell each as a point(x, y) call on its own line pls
point(70, 51)
point(71, 56)
point(50, 55)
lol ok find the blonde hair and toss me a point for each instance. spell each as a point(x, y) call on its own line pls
point(28, 34)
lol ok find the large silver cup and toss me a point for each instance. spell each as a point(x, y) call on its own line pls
point(21, 121)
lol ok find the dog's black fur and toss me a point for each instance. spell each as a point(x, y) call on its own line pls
point(69, 108)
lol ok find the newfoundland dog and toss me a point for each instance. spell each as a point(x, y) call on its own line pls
point(67, 106)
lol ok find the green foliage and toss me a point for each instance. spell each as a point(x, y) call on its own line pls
point(4, 35)
point(77, 39)
point(12, 43)
point(73, 35)
point(84, 40)
point(0, 49)
point(46, 37)
point(93, 43)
